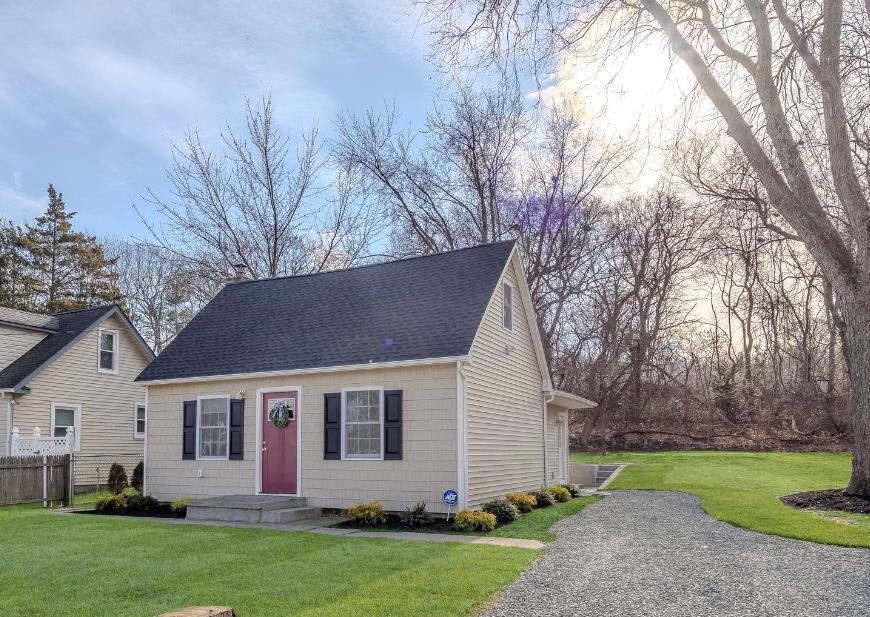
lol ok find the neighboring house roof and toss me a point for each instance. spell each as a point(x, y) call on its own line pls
point(70, 328)
point(25, 319)
point(417, 308)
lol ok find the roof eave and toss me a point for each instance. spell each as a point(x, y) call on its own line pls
point(306, 371)
point(570, 401)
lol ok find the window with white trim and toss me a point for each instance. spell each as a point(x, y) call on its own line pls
point(108, 359)
point(363, 423)
point(139, 421)
point(213, 422)
point(64, 416)
point(507, 299)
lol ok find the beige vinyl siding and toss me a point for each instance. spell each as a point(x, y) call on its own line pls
point(14, 342)
point(504, 403)
point(429, 460)
point(107, 400)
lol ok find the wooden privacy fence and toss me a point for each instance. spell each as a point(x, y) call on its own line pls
point(25, 479)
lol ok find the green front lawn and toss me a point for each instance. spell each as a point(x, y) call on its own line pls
point(742, 488)
point(58, 565)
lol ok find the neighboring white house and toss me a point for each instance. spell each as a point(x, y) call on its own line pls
point(73, 369)
point(393, 382)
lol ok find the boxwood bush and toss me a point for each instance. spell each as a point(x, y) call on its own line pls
point(368, 514)
point(138, 476)
point(574, 489)
point(523, 501)
point(503, 510)
point(559, 493)
point(106, 502)
point(543, 499)
point(474, 520)
point(117, 481)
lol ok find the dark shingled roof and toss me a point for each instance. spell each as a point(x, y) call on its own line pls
point(415, 308)
point(69, 327)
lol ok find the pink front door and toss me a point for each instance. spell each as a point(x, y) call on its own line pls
point(278, 449)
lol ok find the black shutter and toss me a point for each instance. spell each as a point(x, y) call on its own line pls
point(188, 431)
point(332, 426)
point(393, 425)
point(237, 429)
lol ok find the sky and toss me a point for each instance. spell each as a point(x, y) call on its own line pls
point(91, 99)
point(92, 94)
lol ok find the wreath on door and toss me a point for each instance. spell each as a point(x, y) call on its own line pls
point(282, 412)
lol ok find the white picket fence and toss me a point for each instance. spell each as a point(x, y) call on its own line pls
point(37, 444)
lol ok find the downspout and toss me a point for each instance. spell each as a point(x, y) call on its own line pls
point(10, 418)
point(461, 434)
point(145, 448)
point(549, 395)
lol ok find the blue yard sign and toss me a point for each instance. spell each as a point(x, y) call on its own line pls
point(450, 499)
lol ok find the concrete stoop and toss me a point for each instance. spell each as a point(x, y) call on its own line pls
point(272, 509)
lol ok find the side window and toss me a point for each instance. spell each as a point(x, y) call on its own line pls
point(139, 421)
point(65, 416)
point(108, 359)
point(507, 305)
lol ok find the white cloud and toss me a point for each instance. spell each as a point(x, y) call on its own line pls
point(18, 206)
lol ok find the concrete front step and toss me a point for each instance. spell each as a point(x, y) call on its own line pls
point(288, 515)
point(251, 509)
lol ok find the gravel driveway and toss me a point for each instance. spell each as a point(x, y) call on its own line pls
point(656, 553)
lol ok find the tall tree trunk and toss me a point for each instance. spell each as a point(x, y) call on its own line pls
point(857, 319)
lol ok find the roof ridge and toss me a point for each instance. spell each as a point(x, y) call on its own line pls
point(82, 310)
point(371, 265)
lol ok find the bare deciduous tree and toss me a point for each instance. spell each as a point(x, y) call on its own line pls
point(259, 202)
point(790, 88)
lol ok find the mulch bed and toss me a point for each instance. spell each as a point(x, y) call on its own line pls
point(393, 522)
point(833, 499)
point(161, 511)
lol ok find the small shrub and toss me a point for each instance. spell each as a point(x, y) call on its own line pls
point(416, 516)
point(574, 489)
point(109, 501)
point(142, 502)
point(559, 493)
point(179, 506)
point(369, 513)
point(523, 501)
point(474, 520)
point(503, 510)
point(543, 499)
point(130, 492)
point(117, 478)
point(138, 476)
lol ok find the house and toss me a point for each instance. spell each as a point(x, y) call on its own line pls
point(391, 382)
point(74, 369)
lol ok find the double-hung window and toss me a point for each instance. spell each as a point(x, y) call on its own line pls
point(108, 359)
point(507, 306)
point(213, 422)
point(363, 419)
point(63, 417)
point(139, 421)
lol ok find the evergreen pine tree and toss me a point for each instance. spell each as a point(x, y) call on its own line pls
point(69, 269)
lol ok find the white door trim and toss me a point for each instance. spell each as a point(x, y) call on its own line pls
point(258, 478)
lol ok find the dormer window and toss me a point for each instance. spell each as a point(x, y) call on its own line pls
point(108, 360)
point(507, 305)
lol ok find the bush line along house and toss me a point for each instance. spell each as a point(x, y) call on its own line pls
point(74, 369)
point(389, 382)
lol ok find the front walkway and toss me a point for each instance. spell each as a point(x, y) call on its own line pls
point(321, 525)
point(654, 553)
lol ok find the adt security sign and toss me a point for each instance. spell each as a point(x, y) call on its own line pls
point(450, 499)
